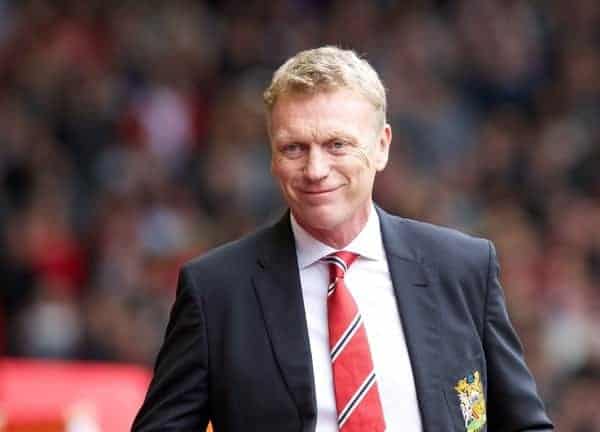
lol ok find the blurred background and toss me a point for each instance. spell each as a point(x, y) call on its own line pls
point(132, 138)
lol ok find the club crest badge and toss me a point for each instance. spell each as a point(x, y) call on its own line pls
point(472, 401)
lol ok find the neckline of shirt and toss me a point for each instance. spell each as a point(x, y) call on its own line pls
point(368, 244)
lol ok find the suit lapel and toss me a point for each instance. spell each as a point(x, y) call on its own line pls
point(417, 303)
point(277, 285)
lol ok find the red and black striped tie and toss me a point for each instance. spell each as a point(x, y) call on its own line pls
point(356, 394)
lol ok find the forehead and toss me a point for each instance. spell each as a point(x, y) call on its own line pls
point(334, 112)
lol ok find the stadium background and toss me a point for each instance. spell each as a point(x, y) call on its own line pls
point(132, 138)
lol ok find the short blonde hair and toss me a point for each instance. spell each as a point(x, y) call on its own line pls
point(327, 68)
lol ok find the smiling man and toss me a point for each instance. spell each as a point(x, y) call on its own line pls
point(340, 317)
point(326, 164)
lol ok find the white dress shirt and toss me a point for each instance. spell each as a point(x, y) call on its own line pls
point(369, 281)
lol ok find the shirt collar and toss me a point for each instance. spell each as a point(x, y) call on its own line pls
point(368, 243)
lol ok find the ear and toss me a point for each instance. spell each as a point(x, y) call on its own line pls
point(382, 147)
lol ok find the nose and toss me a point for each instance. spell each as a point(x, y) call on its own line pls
point(317, 165)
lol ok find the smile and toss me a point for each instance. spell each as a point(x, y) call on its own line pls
point(319, 191)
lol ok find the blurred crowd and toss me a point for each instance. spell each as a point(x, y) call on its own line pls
point(132, 138)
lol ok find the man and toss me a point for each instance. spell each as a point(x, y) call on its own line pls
point(340, 316)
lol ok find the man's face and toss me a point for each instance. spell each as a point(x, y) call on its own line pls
point(326, 149)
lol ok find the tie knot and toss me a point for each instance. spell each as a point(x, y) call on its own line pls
point(339, 262)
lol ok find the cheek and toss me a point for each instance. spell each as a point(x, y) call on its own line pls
point(282, 172)
point(362, 157)
point(365, 158)
point(277, 167)
point(357, 166)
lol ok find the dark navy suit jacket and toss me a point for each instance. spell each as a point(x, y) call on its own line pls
point(236, 350)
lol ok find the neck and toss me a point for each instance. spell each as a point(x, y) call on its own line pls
point(341, 235)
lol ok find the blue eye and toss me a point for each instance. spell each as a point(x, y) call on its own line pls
point(337, 146)
point(292, 150)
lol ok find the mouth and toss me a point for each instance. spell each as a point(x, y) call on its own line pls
point(317, 192)
point(317, 196)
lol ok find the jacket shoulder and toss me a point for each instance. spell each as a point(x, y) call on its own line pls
point(445, 240)
point(228, 261)
point(447, 250)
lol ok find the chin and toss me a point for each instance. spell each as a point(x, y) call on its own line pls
point(322, 218)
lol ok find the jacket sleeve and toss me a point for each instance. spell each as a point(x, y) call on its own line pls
point(513, 402)
point(177, 398)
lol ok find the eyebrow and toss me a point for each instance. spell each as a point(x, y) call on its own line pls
point(287, 136)
point(340, 134)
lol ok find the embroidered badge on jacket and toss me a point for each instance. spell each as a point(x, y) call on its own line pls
point(472, 401)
